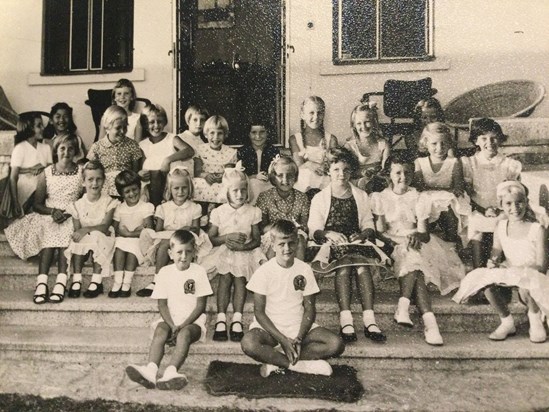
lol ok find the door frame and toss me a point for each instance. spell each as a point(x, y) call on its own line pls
point(282, 113)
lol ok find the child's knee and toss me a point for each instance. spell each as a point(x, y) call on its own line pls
point(335, 345)
point(161, 332)
point(249, 344)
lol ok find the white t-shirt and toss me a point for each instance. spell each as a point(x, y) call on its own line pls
point(175, 217)
point(133, 216)
point(181, 289)
point(284, 289)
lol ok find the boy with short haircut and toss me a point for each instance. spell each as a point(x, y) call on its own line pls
point(181, 290)
point(284, 307)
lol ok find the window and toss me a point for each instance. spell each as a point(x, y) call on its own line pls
point(381, 30)
point(87, 36)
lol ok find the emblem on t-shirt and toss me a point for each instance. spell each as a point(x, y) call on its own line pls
point(299, 282)
point(189, 287)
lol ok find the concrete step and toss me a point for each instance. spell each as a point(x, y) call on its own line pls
point(17, 308)
point(16, 274)
point(5, 249)
point(403, 350)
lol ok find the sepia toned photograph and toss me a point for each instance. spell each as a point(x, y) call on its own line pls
point(274, 205)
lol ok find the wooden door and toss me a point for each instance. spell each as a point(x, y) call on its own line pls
point(230, 61)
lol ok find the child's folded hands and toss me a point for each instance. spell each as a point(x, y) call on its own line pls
point(289, 347)
point(414, 241)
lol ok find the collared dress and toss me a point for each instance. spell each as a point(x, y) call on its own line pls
point(132, 217)
point(239, 263)
point(114, 157)
point(213, 161)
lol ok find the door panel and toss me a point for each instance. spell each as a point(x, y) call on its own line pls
point(235, 68)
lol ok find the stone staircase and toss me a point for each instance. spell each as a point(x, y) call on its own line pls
point(117, 330)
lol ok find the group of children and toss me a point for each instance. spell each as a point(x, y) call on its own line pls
point(251, 215)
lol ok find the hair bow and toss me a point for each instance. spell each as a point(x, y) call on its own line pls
point(505, 187)
point(237, 168)
point(372, 104)
point(179, 169)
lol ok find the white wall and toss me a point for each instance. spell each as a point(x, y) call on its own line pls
point(483, 41)
point(20, 56)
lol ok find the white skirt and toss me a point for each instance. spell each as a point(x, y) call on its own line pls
point(238, 263)
point(433, 202)
point(101, 245)
point(536, 283)
point(130, 245)
point(309, 179)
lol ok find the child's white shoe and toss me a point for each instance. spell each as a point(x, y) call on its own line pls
point(402, 314)
point(432, 334)
point(172, 380)
point(537, 328)
point(143, 375)
point(505, 329)
point(266, 369)
point(313, 367)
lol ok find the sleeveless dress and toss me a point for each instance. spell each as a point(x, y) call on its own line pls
point(438, 198)
point(314, 158)
point(370, 165)
point(520, 257)
point(484, 175)
point(436, 259)
point(32, 233)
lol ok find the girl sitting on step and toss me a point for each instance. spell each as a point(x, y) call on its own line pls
point(419, 258)
point(49, 228)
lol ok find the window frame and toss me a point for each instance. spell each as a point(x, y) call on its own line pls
point(337, 38)
point(58, 21)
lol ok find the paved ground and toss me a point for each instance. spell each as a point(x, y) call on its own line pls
point(427, 390)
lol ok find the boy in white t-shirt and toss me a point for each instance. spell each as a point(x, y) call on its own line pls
point(181, 290)
point(284, 307)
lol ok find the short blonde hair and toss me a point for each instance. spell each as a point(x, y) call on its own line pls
point(435, 129)
point(216, 122)
point(232, 176)
point(178, 172)
point(112, 114)
point(194, 109)
point(282, 161)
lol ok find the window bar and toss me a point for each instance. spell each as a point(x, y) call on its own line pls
point(340, 30)
point(70, 36)
point(379, 22)
point(430, 35)
point(93, 38)
point(90, 34)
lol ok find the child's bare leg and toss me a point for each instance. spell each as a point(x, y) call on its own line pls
point(40, 292)
point(239, 298)
point(259, 345)
point(95, 288)
point(507, 326)
point(186, 336)
point(365, 286)
point(301, 246)
point(423, 299)
point(223, 298)
point(537, 328)
point(62, 263)
point(407, 287)
point(129, 271)
point(342, 283)
point(58, 292)
point(476, 248)
point(78, 263)
point(119, 261)
point(46, 259)
point(146, 374)
point(156, 351)
point(162, 257)
point(320, 343)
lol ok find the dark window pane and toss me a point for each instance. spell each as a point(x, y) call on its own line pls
point(403, 28)
point(359, 29)
point(79, 35)
point(117, 36)
point(55, 47)
point(96, 34)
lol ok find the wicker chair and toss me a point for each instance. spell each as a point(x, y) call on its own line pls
point(513, 98)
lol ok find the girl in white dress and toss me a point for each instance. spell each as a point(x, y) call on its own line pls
point(440, 178)
point(483, 172)
point(522, 241)
point(92, 218)
point(124, 96)
point(310, 145)
point(29, 158)
point(419, 258)
point(211, 160)
point(178, 212)
point(195, 117)
point(236, 237)
point(369, 146)
point(50, 227)
point(130, 218)
point(161, 151)
point(62, 123)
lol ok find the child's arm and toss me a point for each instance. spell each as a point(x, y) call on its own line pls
point(165, 313)
point(198, 310)
point(541, 250)
point(14, 177)
point(253, 243)
point(307, 321)
point(159, 225)
point(194, 227)
point(183, 152)
point(103, 227)
point(138, 133)
point(287, 344)
point(421, 236)
point(385, 155)
point(457, 179)
point(295, 151)
point(333, 142)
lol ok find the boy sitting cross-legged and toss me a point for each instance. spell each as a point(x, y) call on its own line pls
point(181, 291)
point(284, 307)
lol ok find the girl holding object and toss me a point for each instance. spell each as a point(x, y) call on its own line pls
point(440, 178)
point(518, 259)
point(130, 218)
point(50, 228)
point(92, 218)
point(29, 158)
point(340, 215)
point(161, 151)
point(124, 96)
point(419, 258)
point(116, 152)
point(178, 212)
point(283, 202)
point(211, 160)
point(483, 172)
point(62, 123)
point(235, 234)
point(369, 146)
point(310, 145)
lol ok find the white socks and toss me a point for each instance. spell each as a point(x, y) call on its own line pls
point(127, 283)
point(506, 328)
point(370, 321)
point(62, 279)
point(432, 334)
point(221, 327)
point(118, 278)
point(537, 328)
point(314, 367)
point(237, 317)
point(402, 314)
point(76, 277)
point(346, 321)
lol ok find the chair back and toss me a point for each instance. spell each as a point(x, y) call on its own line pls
point(400, 97)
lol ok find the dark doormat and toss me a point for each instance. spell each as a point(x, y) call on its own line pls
point(243, 379)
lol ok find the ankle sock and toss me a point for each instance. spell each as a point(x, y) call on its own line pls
point(369, 319)
point(128, 277)
point(42, 279)
point(61, 278)
point(97, 278)
point(118, 278)
point(346, 319)
point(77, 277)
point(170, 370)
point(220, 327)
point(237, 317)
point(153, 367)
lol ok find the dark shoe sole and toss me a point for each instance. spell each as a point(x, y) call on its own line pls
point(136, 377)
point(174, 384)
